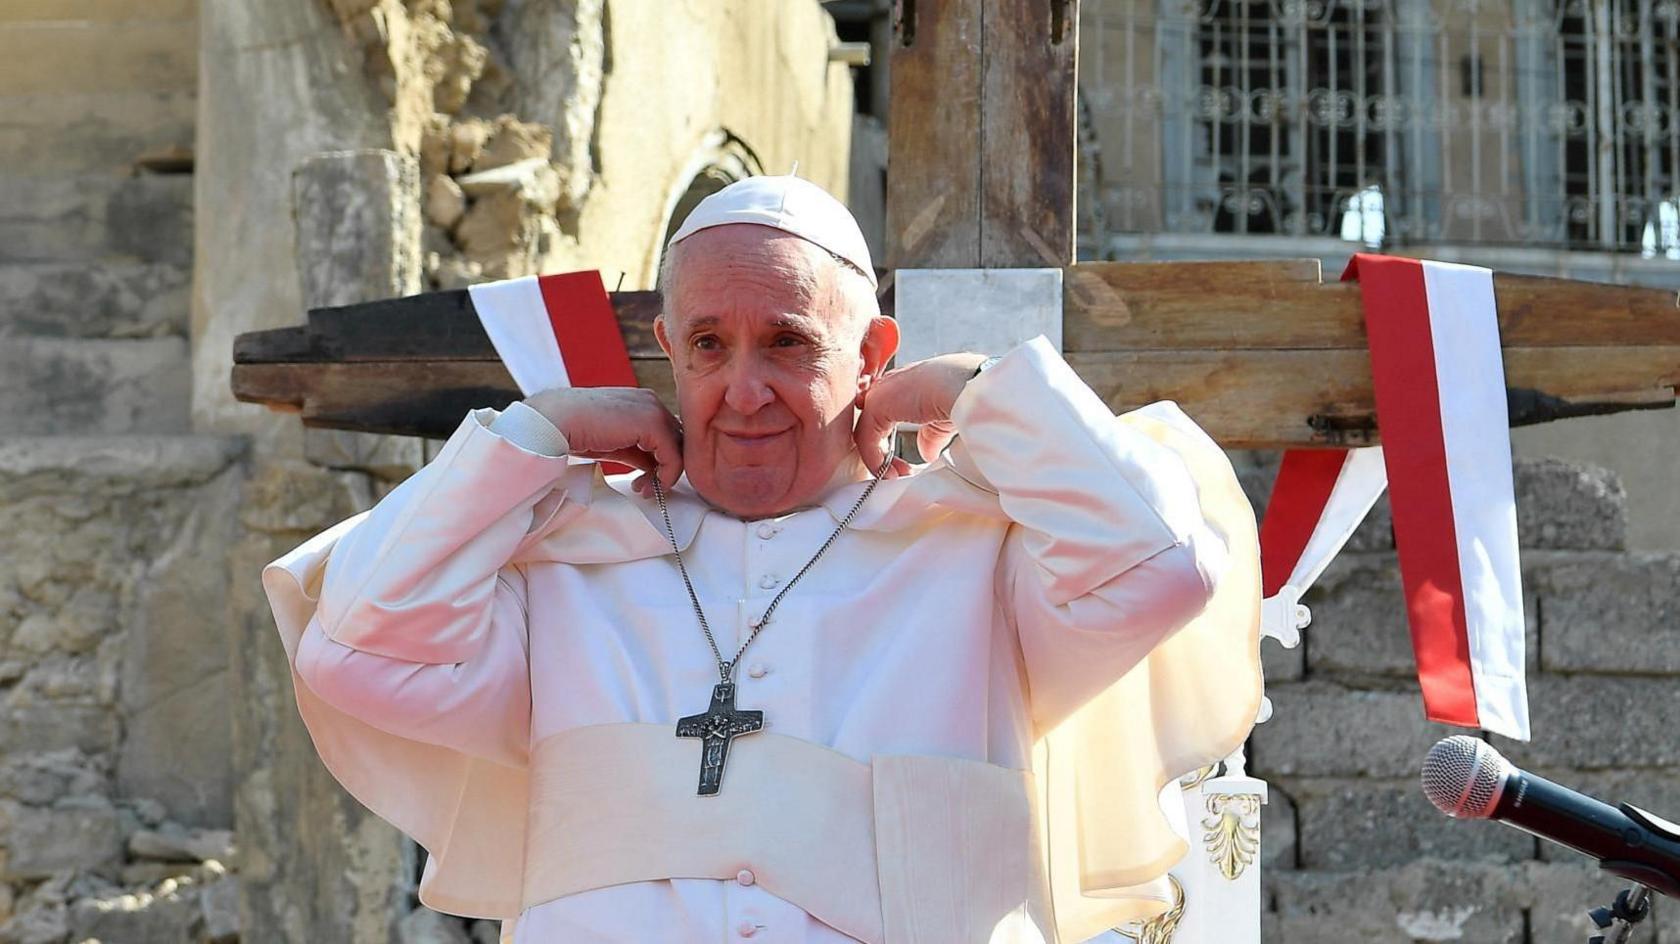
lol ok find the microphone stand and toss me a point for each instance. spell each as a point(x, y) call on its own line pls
point(1632, 905)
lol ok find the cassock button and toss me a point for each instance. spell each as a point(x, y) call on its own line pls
point(745, 877)
point(768, 581)
point(746, 929)
point(766, 531)
point(756, 670)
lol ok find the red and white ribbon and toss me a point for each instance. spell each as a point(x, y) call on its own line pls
point(1439, 381)
point(554, 331)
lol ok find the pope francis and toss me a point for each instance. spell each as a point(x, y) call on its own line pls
point(777, 684)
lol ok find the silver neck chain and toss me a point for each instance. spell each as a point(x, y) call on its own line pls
point(726, 667)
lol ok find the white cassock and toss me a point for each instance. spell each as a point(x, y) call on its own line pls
point(483, 653)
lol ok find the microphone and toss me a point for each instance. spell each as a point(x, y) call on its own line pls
point(1467, 779)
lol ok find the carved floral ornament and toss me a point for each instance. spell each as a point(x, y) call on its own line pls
point(1233, 831)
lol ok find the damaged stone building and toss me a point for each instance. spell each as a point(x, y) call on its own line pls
point(173, 174)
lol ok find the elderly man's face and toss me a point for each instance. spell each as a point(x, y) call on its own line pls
point(771, 342)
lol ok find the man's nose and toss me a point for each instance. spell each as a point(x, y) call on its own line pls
point(748, 390)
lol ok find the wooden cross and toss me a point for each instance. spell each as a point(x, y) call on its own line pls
point(981, 175)
point(716, 727)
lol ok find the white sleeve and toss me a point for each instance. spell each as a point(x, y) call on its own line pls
point(1108, 553)
point(421, 628)
point(480, 707)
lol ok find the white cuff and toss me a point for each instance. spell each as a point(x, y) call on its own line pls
point(530, 430)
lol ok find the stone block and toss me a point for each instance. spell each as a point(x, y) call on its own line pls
point(173, 843)
point(58, 132)
point(1602, 722)
point(176, 747)
point(41, 778)
point(391, 458)
point(1354, 825)
point(1610, 613)
point(174, 665)
point(558, 52)
point(295, 498)
point(82, 833)
point(50, 925)
point(1569, 506)
point(95, 11)
point(173, 917)
point(118, 56)
point(1278, 824)
point(1322, 729)
point(357, 226)
point(1422, 901)
point(91, 729)
point(107, 300)
point(94, 387)
point(218, 904)
point(1360, 625)
point(75, 219)
point(1280, 664)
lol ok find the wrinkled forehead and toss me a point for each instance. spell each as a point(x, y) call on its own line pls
point(745, 268)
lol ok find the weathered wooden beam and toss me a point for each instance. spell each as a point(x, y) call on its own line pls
point(1260, 353)
point(435, 326)
point(1128, 306)
point(981, 132)
point(933, 124)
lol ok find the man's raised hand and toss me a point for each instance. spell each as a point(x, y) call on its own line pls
point(627, 425)
point(924, 393)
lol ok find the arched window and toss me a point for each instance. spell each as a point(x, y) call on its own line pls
point(721, 161)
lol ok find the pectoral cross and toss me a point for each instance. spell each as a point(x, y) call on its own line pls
point(720, 724)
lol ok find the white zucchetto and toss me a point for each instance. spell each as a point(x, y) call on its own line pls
point(791, 204)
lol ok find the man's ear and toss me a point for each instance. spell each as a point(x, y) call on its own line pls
point(660, 336)
point(880, 343)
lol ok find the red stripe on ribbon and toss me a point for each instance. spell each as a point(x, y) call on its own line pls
point(1304, 483)
point(581, 314)
point(1420, 496)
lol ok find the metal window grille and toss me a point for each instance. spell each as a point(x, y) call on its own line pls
point(1532, 122)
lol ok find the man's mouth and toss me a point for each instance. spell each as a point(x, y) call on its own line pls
point(751, 438)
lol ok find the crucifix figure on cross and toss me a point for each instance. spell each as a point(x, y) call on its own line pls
point(716, 727)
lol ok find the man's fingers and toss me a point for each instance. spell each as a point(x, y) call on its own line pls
point(637, 459)
point(873, 426)
point(662, 444)
point(933, 437)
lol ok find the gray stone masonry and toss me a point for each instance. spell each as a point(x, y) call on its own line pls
point(1612, 613)
point(112, 300)
point(82, 387)
point(113, 675)
point(61, 132)
point(147, 218)
point(1351, 849)
point(1444, 900)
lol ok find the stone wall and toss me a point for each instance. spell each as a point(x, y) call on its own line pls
point(114, 744)
point(115, 769)
point(1353, 850)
